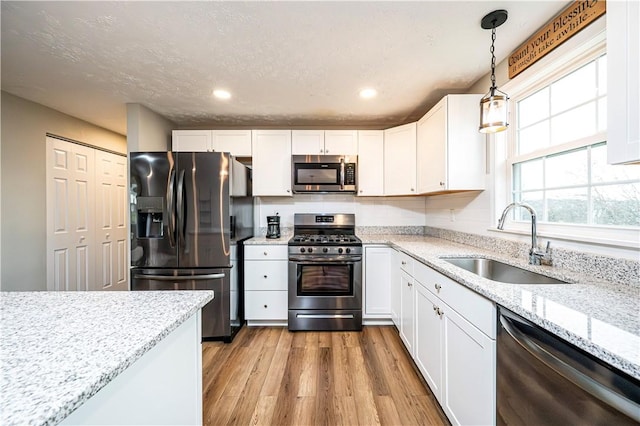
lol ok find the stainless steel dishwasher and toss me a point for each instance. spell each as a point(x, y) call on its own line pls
point(544, 380)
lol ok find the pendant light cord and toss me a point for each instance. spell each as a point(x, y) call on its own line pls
point(493, 60)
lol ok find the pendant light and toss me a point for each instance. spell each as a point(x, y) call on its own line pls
point(493, 106)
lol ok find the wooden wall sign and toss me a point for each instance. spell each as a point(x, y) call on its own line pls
point(561, 28)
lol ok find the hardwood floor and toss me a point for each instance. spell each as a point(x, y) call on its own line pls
point(270, 376)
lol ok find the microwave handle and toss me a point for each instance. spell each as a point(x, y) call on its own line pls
point(342, 173)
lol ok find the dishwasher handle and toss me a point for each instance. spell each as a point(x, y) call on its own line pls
point(586, 383)
point(180, 277)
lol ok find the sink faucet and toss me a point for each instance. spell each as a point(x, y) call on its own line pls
point(535, 256)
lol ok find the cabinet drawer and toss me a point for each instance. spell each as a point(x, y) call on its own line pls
point(406, 263)
point(261, 252)
point(266, 305)
point(265, 275)
point(478, 310)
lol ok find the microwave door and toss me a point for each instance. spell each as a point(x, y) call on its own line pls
point(153, 217)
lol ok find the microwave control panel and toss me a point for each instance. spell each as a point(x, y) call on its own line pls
point(350, 174)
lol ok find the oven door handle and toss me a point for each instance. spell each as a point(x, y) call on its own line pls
point(312, 260)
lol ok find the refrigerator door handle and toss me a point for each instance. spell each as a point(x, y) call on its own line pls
point(171, 208)
point(181, 224)
point(180, 277)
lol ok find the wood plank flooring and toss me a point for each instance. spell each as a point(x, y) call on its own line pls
point(270, 376)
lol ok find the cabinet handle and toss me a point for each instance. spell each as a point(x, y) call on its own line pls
point(435, 308)
point(412, 190)
point(288, 190)
point(265, 276)
point(441, 183)
point(326, 151)
point(265, 253)
point(265, 306)
point(440, 312)
point(438, 287)
point(403, 263)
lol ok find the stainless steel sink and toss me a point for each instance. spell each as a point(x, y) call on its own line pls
point(501, 272)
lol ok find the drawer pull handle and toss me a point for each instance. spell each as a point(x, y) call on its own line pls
point(265, 306)
point(265, 276)
point(265, 253)
point(438, 287)
point(404, 263)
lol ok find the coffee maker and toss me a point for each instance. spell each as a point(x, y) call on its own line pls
point(273, 226)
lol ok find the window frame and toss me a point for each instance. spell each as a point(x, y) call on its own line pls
point(539, 76)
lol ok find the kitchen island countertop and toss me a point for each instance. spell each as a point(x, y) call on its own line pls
point(58, 349)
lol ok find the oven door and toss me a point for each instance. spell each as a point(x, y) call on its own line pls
point(317, 283)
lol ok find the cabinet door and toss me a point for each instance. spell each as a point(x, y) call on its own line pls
point(341, 142)
point(266, 305)
point(237, 142)
point(191, 140)
point(623, 84)
point(400, 160)
point(307, 142)
point(370, 162)
point(429, 339)
point(469, 372)
point(271, 162)
point(396, 288)
point(407, 311)
point(431, 150)
point(377, 283)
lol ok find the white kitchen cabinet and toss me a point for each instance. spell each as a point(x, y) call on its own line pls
point(324, 142)
point(237, 142)
point(450, 150)
point(400, 160)
point(623, 82)
point(377, 285)
point(271, 162)
point(407, 312)
point(455, 348)
point(394, 276)
point(266, 284)
point(370, 163)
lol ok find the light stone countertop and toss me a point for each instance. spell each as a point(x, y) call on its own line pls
point(599, 316)
point(58, 349)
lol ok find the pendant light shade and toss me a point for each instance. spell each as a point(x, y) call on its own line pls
point(494, 105)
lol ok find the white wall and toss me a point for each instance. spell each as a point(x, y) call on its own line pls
point(147, 130)
point(369, 211)
point(24, 128)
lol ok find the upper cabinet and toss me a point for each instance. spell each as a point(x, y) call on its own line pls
point(450, 150)
point(370, 163)
point(399, 160)
point(324, 142)
point(271, 162)
point(237, 142)
point(623, 81)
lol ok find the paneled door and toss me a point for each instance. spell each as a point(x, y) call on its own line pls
point(70, 218)
point(111, 224)
point(87, 210)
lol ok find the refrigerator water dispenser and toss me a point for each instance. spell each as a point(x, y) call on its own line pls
point(150, 217)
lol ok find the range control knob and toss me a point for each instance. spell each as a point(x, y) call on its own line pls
point(302, 250)
point(340, 250)
point(324, 250)
point(348, 250)
point(309, 249)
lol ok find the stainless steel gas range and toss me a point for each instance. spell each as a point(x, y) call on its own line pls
point(325, 273)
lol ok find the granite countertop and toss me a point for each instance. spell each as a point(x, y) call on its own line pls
point(598, 316)
point(284, 239)
point(58, 349)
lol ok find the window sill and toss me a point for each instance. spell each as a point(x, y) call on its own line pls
point(632, 240)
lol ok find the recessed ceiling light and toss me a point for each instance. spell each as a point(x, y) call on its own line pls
point(221, 94)
point(368, 93)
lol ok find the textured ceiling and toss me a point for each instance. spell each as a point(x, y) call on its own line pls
point(287, 64)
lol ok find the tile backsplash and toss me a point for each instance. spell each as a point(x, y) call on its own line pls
point(369, 211)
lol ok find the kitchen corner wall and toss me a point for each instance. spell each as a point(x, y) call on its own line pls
point(369, 211)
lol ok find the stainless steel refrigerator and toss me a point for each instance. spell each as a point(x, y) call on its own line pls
point(187, 211)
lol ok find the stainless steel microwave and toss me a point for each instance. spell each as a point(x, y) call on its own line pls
point(324, 173)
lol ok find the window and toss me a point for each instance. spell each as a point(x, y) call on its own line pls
point(559, 158)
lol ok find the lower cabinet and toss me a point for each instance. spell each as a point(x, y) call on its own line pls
point(265, 284)
point(377, 286)
point(449, 331)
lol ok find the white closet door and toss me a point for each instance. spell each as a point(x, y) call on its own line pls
point(70, 218)
point(111, 226)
